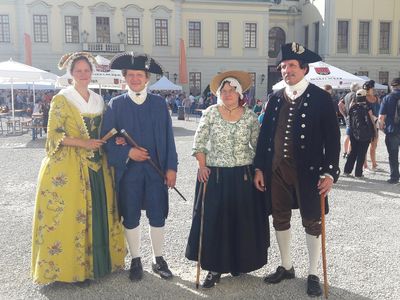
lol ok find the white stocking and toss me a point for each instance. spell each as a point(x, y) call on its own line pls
point(283, 238)
point(157, 241)
point(314, 251)
point(133, 238)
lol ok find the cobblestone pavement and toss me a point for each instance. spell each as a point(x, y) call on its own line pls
point(363, 247)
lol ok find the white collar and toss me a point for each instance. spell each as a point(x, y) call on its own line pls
point(94, 105)
point(138, 99)
point(295, 91)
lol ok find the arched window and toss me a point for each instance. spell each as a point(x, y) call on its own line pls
point(277, 37)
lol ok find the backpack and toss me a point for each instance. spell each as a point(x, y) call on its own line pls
point(397, 113)
point(360, 123)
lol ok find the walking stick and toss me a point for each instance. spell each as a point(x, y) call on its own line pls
point(204, 186)
point(132, 142)
point(322, 198)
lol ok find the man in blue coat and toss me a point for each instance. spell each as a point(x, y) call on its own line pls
point(389, 121)
point(146, 119)
point(297, 158)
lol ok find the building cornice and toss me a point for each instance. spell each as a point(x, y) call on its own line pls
point(70, 3)
point(37, 3)
point(99, 5)
point(132, 6)
point(161, 7)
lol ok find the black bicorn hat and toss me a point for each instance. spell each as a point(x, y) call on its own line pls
point(133, 61)
point(296, 51)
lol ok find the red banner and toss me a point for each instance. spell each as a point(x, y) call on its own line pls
point(183, 74)
point(28, 49)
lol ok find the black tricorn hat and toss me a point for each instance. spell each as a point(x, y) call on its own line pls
point(296, 51)
point(132, 61)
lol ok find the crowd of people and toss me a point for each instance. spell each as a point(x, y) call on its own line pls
point(106, 162)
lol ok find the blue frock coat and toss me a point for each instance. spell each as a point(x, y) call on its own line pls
point(155, 132)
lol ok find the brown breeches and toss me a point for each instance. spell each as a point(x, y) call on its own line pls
point(284, 191)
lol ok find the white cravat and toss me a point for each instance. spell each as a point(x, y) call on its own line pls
point(138, 97)
point(295, 91)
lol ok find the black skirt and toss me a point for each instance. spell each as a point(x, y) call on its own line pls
point(235, 227)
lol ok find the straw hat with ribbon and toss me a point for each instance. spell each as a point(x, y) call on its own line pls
point(242, 77)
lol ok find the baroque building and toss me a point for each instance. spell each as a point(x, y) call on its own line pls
point(359, 36)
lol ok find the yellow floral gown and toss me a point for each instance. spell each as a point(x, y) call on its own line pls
point(70, 223)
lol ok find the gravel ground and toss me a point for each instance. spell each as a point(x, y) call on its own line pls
point(363, 240)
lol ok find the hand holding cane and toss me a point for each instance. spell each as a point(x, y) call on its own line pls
point(132, 142)
point(109, 135)
point(202, 192)
point(322, 199)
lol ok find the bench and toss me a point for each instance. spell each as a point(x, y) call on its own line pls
point(26, 125)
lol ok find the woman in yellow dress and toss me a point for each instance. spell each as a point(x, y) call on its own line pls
point(76, 235)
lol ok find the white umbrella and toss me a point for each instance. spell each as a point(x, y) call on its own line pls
point(322, 73)
point(163, 84)
point(13, 72)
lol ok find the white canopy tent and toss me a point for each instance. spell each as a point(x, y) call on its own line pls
point(38, 85)
point(109, 80)
point(14, 72)
point(102, 77)
point(322, 73)
point(163, 84)
point(378, 86)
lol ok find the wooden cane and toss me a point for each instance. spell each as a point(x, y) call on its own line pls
point(109, 135)
point(322, 198)
point(204, 186)
point(133, 143)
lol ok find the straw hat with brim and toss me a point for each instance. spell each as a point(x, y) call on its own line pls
point(244, 79)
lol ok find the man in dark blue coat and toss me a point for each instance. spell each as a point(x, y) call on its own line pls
point(146, 119)
point(389, 121)
point(297, 158)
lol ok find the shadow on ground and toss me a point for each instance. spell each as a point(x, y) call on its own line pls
point(118, 286)
point(180, 131)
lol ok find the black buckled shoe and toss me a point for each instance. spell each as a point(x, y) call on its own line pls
point(280, 274)
point(313, 287)
point(211, 280)
point(161, 268)
point(136, 271)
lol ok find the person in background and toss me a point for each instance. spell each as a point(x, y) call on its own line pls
point(389, 121)
point(186, 103)
point(344, 106)
point(362, 131)
point(335, 100)
point(297, 159)
point(258, 107)
point(374, 105)
point(76, 234)
point(235, 238)
point(139, 186)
